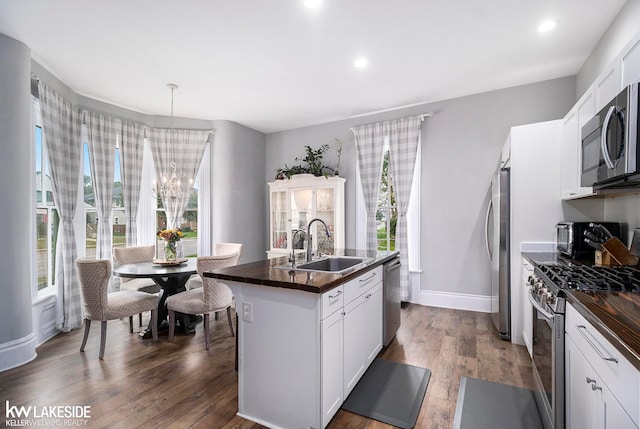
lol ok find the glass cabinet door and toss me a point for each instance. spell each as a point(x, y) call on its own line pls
point(279, 220)
point(301, 213)
point(325, 211)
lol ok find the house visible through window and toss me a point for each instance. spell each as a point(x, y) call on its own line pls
point(188, 223)
point(47, 219)
point(387, 213)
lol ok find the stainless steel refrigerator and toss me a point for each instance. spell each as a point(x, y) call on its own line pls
point(498, 249)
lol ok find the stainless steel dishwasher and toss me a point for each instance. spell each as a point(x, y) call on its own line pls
point(391, 290)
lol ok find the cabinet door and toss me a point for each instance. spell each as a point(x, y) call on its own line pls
point(279, 220)
point(372, 323)
point(607, 85)
point(630, 62)
point(354, 356)
point(570, 155)
point(331, 378)
point(582, 401)
point(613, 415)
point(325, 210)
point(527, 308)
point(301, 204)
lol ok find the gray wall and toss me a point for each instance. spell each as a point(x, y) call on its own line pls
point(461, 146)
point(17, 342)
point(621, 30)
point(238, 188)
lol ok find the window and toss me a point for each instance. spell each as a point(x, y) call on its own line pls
point(91, 215)
point(47, 219)
point(387, 213)
point(119, 224)
point(188, 224)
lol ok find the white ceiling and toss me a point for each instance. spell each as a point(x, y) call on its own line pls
point(275, 64)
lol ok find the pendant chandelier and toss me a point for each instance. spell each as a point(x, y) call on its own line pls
point(174, 184)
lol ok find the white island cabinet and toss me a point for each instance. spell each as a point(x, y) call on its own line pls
point(602, 387)
point(297, 350)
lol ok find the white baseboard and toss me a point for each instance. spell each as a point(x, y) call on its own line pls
point(17, 352)
point(458, 301)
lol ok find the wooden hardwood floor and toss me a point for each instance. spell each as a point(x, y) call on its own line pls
point(142, 384)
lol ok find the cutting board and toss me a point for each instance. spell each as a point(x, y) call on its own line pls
point(619, 252)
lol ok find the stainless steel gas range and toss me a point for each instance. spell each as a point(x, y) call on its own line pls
point(547, 293)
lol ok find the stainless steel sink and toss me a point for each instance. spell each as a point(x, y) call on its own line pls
point(331, 264)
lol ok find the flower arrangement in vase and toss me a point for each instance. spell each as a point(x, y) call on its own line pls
point(170, 237)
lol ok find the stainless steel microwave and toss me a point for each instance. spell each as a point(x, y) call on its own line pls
point(610, 153)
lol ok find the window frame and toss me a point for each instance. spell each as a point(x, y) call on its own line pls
point(53, 219)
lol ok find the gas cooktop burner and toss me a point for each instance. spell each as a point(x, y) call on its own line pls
point(588, 278)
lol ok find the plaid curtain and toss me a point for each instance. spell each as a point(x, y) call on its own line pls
point(102, 132)
point(62, 132)
point(369, 145)
point(182, 150)
point(404, 136)
point(131, 155)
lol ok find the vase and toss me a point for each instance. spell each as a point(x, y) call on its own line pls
point(170, 251)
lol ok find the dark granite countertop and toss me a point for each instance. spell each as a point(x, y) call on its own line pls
point(616, 315)
point(265, 272)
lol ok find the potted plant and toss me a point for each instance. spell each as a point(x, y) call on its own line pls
point(311, 164)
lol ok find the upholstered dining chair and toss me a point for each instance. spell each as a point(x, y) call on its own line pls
point(132, 255)
point(212, 297)
point(100, 305)
point(219, 249)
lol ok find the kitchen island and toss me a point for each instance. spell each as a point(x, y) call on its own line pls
point(304, 338)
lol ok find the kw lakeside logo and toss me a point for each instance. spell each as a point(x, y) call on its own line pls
point(47, 416)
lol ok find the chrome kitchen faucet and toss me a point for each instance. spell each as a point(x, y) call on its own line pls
point(310, 238)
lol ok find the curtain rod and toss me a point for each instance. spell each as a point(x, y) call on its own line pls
point(422, 116)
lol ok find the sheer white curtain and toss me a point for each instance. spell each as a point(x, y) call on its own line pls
point(369, 148)
point(185, 149)
point(62, 129)
point(102, 134)
point(404, 135)
point(131, 156)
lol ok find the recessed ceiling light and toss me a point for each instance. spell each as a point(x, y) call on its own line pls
point(546, 26)
point(360, 63)
point(312, 4)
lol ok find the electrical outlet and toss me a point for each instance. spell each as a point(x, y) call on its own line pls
point(247, 312)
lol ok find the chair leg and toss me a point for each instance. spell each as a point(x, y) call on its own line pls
point(154, 324)
point(140, 319)
point(103, 337)
point(233, 334)
point(131, 324)
point(207, 335)
point(87, 326)
point(172, 324)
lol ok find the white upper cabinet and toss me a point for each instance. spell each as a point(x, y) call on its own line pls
point(630, 62)
point(607, 86)
point(572, 146)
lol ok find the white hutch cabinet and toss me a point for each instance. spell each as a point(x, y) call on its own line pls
point(294, 202)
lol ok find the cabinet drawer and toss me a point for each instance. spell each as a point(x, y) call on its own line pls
point(332, 301)
point(356, 287)
point(622, 379)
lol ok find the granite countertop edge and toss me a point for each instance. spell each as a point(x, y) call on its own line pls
point(265, 273)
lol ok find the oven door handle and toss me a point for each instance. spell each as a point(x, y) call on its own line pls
point(537, 306)
point(583, 330)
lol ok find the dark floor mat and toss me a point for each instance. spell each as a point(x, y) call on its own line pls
point(483, 404)
point(390, 392)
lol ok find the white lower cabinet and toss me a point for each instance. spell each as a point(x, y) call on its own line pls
point(361, 344)
point(351, 339)
point(332, 365)
point(601, 385)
